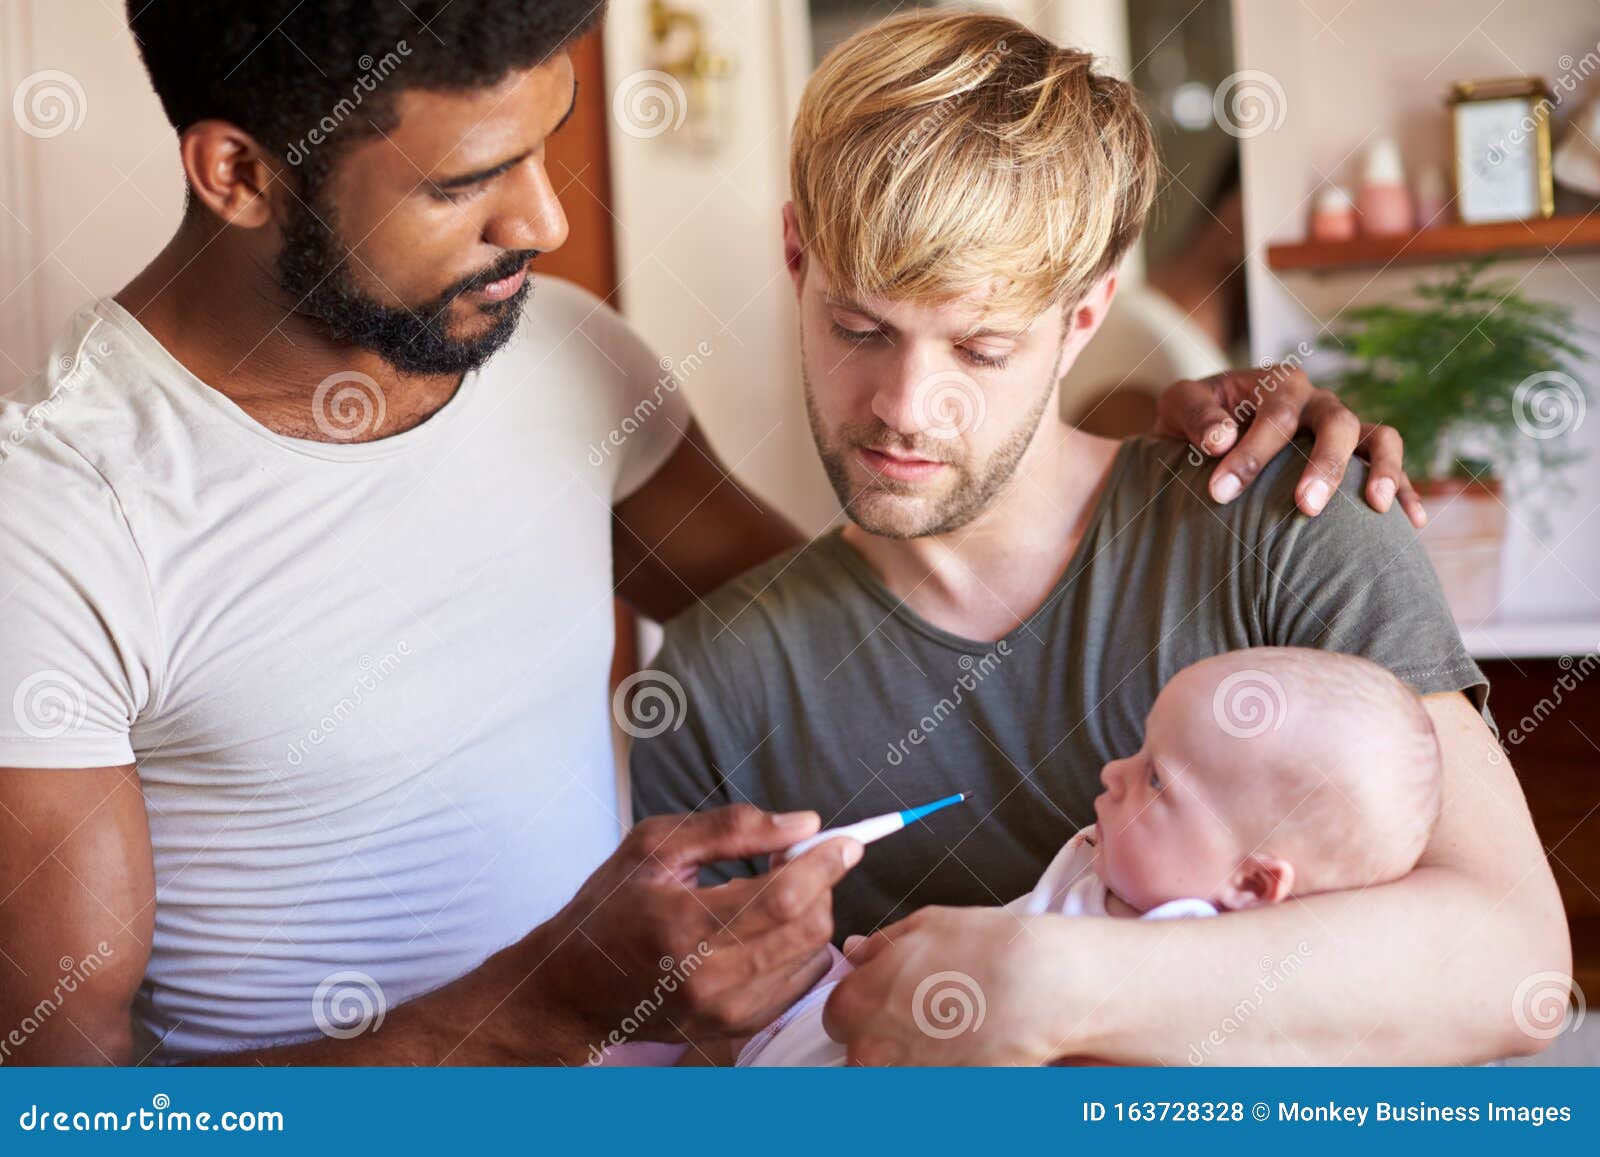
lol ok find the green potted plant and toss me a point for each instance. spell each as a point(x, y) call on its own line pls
point(1478, 379)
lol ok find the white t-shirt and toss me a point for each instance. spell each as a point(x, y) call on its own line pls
point(365, 684)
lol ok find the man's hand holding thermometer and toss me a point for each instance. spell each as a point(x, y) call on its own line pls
point(760, 941)
point(868, 830)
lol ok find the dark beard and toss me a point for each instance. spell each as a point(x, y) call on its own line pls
point(313, 269)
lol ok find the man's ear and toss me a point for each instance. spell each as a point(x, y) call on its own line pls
point(1261, 879)
point(1084, 318)
point(794, 254)
point(229, 172)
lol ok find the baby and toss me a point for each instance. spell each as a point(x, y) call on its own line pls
point(1265, 774)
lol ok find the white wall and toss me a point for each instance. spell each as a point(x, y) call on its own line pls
point(700, 254)
point(83, 210)
point(1351, 70)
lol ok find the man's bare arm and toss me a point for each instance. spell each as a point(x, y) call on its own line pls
point(77, 913)
point(77, 910)
point(690, 529)
point(77, 907)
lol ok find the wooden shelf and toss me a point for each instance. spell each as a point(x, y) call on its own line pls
point(1443, 243)
point(1531, 638)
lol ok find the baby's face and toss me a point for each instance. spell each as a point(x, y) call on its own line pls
point(1163, 818)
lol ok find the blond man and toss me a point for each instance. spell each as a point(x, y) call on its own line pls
point(1010, 595)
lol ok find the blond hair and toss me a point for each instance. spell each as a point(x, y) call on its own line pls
point(936, 155)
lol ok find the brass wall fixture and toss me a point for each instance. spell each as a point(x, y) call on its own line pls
point(680, 48)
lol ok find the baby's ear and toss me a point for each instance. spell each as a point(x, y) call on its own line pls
point(1260, 879)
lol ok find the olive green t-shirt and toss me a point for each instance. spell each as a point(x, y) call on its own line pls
point(807, 684)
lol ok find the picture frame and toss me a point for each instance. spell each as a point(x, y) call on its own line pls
point(1500, 132)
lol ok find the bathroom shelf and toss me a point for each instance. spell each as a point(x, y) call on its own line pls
point(1572, 234)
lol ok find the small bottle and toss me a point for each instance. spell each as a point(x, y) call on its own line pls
point(1432, 201)
point(1333, 215)
point(1382, 199)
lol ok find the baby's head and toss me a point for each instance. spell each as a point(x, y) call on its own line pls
point(1270, 772)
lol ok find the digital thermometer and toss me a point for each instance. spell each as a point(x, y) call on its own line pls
point(868, 830)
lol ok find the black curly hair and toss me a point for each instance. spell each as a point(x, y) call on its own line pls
point(280, 68)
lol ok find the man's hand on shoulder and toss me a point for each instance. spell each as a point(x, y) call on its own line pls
point(1247, 417)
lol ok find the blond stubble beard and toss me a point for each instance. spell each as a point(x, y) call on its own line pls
point(971, 495)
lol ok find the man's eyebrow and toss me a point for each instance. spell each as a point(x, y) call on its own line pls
point(850, 306)
point(846, 303)
point(996, 332)
point(478, 176)
point(885, 328)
